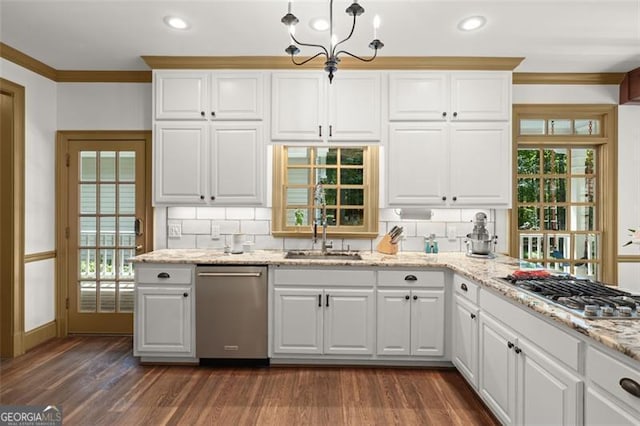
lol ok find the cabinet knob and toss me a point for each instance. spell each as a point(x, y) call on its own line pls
point(518, 350)
point(455, 198)
point(630, 386)
point(410, 278)
point(463, 287)
point(455, 114)
point(444, 114)
point(164, 275)
point(444, 198)
point(415, 297)
point(406, 297)
point(213, 113)
point(202, 113)
point(510, 345)
point(202, 197)
point(473, 316)
point(185, 294)
point(213, 197)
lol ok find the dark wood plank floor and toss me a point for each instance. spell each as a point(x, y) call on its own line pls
point(96, 380)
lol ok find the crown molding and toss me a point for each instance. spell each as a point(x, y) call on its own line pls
point(567, 78)
point(381, 63)
point(13, 55)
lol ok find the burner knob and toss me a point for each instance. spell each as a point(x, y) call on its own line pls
point(625, 311)
point(591, 310)
point(607, 311)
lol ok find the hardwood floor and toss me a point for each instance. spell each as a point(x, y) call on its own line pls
point(96, 380)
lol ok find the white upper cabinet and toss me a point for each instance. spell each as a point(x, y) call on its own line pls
point(480, 96)
point(179, 162)
point(304, 107)
point(421, 96)
point(237, 96)
point(236, 172)
point(480, 165)
point(454, 96)
point(181, 95)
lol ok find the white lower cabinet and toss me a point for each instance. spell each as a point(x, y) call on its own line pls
point(465, 339)
point(523, 385)
point(324, 321)
point(164, 312)
point(410, 322)
point(601, 410)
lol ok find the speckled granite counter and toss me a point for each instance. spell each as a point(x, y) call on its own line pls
point(621, 335)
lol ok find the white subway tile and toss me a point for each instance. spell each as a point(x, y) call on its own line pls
point(359, 244)
point(196, 227)
point(228, 226)
point(462, 228)
point(382, 228)
point(181, 213)
point(267, 242)
point(218, 213)
point(241, 213)
point(260, 227)
point(205, 242)
point(428, 228)
point(412, 244)
point(263, 214)
point(186, 241)
point(446, 215)
point(299, 243)
point(446, 245)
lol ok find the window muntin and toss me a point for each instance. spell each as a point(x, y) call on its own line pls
point(350, 179)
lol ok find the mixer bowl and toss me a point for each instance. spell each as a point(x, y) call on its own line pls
point(480, 246)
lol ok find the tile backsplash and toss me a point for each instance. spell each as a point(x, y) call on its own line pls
point(199, 227)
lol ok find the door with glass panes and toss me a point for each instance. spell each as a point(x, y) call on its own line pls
point(106, 228)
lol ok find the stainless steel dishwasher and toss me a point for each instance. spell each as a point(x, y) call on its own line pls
point(231, 312)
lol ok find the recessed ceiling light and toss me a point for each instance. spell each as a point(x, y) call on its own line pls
point(319, 24)
point(472, 23)
point(176, 23)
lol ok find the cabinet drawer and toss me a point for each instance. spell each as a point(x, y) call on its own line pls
point(607, 372)
point(164, 275)
point(466, 288)
point(324, 277)
point(403, 278)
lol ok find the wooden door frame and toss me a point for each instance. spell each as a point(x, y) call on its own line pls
point(13, 292)
point(63, 138)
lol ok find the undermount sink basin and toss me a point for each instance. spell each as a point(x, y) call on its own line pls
point(318, 255)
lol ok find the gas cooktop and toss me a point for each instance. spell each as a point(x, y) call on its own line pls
point(582, 297)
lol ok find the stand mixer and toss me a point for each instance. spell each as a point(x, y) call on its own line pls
point(479, 242)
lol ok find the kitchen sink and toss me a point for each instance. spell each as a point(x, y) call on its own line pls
point(318, 255)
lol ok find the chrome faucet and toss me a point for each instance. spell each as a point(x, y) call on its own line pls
point(319, 196)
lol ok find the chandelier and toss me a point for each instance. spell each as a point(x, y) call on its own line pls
point(332, 53)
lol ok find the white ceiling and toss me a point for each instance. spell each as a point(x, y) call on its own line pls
point(553, 36)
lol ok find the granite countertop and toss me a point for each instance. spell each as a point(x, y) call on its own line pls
point(620, 335)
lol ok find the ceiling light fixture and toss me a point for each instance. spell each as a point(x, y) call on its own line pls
point(472, 23)
point(176, 23)
point(331, 53)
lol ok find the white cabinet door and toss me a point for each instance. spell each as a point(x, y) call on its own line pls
point(480, 165)
point(394, 322)
point(480, 96)
point(349, 321)
point(498, 369)
point(237, 96)
point(422, 96)
point(163, 321)
point(417, 164)
point(180, 161)
point(235, 164)
point(354, 107)
point(427, 322)
point(297, 320)
point(298, 106)
point(600, 410)
point(181, 95)
point(548, 394)
point(465, 339)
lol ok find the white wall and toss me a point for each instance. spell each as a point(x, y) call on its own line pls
point(565, 94)
point(104, 106)
point(40, 132)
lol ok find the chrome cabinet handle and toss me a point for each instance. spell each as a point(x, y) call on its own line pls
point(630, 386)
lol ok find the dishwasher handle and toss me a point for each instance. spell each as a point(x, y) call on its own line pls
point(229, 274)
